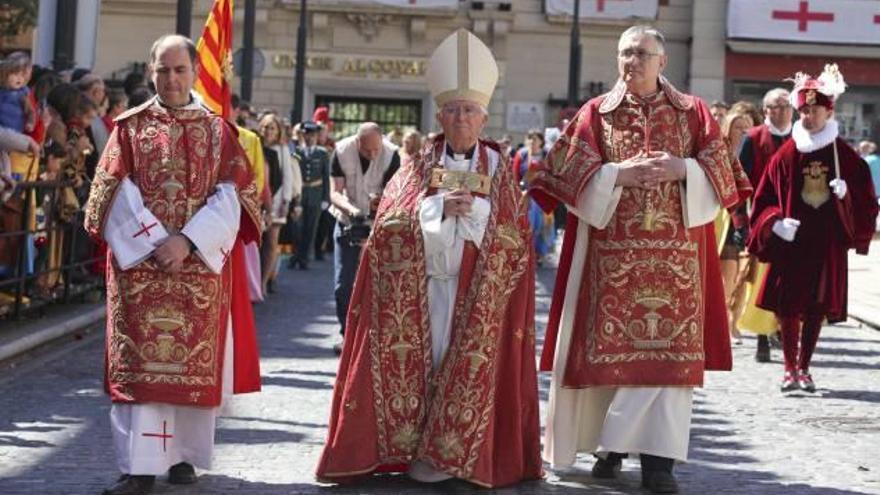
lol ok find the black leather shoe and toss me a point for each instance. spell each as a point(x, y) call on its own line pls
point(131, 485)
point(182, 474)
point(609, 467)
point(270, 286)
point(659, 481)
point(762, 354)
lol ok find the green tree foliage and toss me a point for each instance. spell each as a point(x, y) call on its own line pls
point(16, 16)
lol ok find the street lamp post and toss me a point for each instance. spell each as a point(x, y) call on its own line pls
point(184, 17)
point(65, 35)
point(300, 75)
point(247, 50)
point(574, 57)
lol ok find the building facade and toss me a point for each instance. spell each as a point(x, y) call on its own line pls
point(366, 59)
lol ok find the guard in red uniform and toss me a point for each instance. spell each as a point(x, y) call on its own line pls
point(815, 201)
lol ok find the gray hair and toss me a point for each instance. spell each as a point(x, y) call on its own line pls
point(86, 82)
point(173, 40)
point(644, 30)
point(774, 94)
point(368, 128)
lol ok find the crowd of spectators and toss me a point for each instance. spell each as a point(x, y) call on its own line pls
point(53, 127)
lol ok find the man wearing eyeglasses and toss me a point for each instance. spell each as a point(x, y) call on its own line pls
point(437, 376)
point(638, 313)
point(759, 145)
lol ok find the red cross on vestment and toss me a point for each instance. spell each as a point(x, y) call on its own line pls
point(803, 15)
point(145, 229)
point(164, 436)
point(877, 19)
point(600, 4)
point(225, 254)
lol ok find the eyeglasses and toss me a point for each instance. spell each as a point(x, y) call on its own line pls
point(468, 110)
point(637, 53)
point(778, 107)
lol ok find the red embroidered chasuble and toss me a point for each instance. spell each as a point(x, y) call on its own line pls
point(477, 417)
point(809, 275)
point(650, 308)
point(166, 332)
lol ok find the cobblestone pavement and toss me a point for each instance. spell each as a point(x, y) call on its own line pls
point(746, 438)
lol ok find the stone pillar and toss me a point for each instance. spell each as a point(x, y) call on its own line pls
point(708, 49)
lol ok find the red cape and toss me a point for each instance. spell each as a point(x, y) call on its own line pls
point(810, 273)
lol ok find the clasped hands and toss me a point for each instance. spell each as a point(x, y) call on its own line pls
point(457, 203)
point(171, 253)
point(649, 170)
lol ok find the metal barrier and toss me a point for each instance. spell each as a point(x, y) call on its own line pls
point(65, 255)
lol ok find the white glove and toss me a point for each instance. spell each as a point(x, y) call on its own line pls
point(325, 205)
point(786, 228)
point(838, 187)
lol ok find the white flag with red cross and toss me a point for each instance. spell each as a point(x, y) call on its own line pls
point(422, 4)
point(605, 9)
point(823, 21)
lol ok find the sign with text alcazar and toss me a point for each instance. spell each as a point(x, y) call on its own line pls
point(605, 9)
point(281, 63)
point(823, 21)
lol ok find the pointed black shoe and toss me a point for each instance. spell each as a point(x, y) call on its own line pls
point(609, 467)
point(657, 474)
point(131, 485)
point(182, 474)
point(659, 482)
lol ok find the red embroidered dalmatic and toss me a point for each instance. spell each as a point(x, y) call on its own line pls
point(650, 306)
point(809, 275)
point(477, 417)
point(166, 332)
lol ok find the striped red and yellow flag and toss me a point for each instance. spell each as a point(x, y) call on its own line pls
point(215, 58)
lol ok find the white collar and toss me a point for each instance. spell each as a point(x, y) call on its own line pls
point(194, 104)
point(807, 142)
point(777, 132)
point(459, 162)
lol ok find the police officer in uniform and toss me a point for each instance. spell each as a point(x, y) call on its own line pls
point(314, 162)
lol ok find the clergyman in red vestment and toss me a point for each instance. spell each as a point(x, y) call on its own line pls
point(170, 195)
point(815, 201)
point(437, 375)
point(637, 313)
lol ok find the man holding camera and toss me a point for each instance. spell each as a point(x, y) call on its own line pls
point(361, 166)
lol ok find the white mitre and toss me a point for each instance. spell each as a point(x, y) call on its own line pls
point(462, 68)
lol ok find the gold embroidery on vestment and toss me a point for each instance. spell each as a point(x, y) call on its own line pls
point(816, 191)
